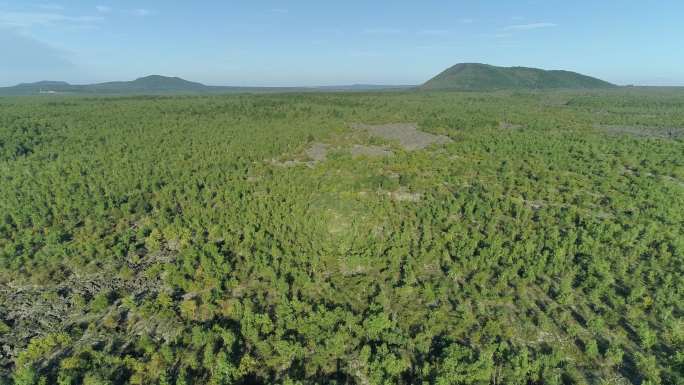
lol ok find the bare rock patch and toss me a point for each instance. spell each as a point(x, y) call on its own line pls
point(404, 195)
point(504, 125)
point(317, 152)
point(370, 151)
point(407, 134)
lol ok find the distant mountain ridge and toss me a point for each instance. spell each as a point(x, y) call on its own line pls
point(461, 77)
point(45, 83)
point(485, 77)
point(157, 84)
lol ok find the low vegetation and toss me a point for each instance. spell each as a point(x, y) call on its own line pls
point(159, 240)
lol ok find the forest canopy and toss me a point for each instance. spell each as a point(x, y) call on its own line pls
point(269, 239)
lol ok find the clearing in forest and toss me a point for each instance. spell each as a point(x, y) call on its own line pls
point(359, 150)
point(318, 152)
point(406, 134)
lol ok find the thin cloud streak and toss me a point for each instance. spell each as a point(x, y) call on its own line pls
point(142, 12)
point(381, 31)
point(51, 7)
point(366, 54)
point(43, 19)
point(30, 57)
point(434, 32)
point(531, 26)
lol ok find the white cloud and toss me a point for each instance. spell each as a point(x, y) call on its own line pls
point(30, 60)
point(527, 27)
point(51, 7)
point(141, 12)
point(434, 32)
point(279, 10)
point(467, 21)
point(103, 8)
point(43, 19)
point(501, 36)
point(381, 31)
point(365, 54)
point(440, 47)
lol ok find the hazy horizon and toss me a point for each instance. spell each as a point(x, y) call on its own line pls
point(311, 44)
point(295, 86)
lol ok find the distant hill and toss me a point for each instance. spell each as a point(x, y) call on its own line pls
point(152, 83)
point(157, 84)
point(463, 77)
point(484, 77)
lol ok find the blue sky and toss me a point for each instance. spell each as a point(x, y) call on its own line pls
point(282, 43)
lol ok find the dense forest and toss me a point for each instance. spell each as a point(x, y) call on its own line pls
point(201, 240)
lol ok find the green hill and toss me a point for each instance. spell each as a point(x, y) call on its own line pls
point(164, 85)
point(152, 83)
point(484, 77)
